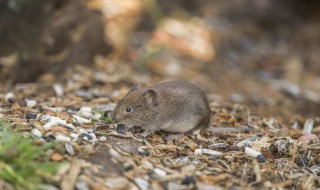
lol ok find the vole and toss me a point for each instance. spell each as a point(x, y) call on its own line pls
point(175, 107)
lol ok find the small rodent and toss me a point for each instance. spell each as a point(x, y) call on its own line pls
point(176, 107)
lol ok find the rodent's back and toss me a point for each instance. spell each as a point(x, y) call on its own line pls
point(184, 103)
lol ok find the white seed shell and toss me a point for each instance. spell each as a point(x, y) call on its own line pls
point(80, 120)
point(62, 138)
point(250, 152)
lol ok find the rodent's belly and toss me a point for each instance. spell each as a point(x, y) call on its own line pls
point(179, 126)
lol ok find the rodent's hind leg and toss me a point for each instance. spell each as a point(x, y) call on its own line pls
point(145, 133)
point(177, 136)
point(174, 137)
point(148, 131)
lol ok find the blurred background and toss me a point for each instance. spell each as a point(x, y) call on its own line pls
point(264, 54)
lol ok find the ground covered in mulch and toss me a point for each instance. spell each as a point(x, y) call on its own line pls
point(259, 71)
point(239, 150)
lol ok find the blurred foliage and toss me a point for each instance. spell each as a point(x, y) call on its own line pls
point(23, 164)
point(105, 117)
point(154, 10)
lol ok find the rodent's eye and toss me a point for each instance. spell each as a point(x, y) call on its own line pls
point(128, 109)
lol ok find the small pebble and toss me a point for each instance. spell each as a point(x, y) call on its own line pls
point(45, 118)
point(102, 138)
point(86, 136)
point(315, 169)
point(197, 152)
point(82, 131)
point(142, 183)
point(93, 136)
point(159, 173)
point(74, 136)
point(85, 112)
point(128, 166)
point(117, 183)
point(121, 128)
point(143, 151)
point(31, 115)
point(48, 125)
point(113, 152)
point(91, 131)
point(85, 109)
point(81, 185)
point(30, 103)
point(36, 133)
point(188, 180)
point(62, 138)
point(69, 148)
point(96, 116)
point(42, 140)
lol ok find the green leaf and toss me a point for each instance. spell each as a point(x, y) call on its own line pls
point(20, 163)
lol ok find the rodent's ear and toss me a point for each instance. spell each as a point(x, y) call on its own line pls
point(151, 97)
point(135, 87)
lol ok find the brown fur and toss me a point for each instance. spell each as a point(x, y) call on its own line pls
point(176, 106)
